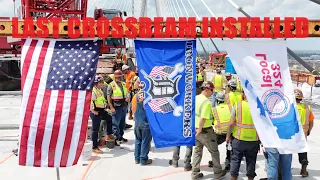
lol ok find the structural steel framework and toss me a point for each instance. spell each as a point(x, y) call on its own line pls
point(6, 28)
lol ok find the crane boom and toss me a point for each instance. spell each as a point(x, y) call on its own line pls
point(6, 30)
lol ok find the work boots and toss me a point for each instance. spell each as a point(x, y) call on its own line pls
point(130, 116)
point(109, 137)
point(173, 163)
point(233, 178)
point(304, 172)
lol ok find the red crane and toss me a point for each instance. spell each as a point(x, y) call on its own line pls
point(54, 8)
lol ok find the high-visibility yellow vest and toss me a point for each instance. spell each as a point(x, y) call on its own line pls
point(239, 86)
point(222, 115)
point(304, 112)
point(217, 79)
point(244, 129)
point(100, 100)
point(233, 97)
point(119, 60)
point(201, 101)
point(199, 77)
point(117, 93)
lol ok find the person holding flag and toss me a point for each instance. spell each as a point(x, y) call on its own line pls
point(141, 130)
point(245, 140)
point(205, 136)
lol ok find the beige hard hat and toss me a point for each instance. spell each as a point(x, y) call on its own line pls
point(298, 94)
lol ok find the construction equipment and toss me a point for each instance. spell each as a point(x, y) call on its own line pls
point(110, 45)
point(217, 60)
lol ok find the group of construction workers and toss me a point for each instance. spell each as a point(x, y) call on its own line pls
point(223, 115)
point(111, 97)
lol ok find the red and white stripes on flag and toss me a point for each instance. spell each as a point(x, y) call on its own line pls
point(53, 122)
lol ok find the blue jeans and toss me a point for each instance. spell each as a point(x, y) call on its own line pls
point(274, 160)
point(213, 99)
point(119, 121)
point(142, 143)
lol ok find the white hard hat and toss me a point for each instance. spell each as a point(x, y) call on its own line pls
point(124, 67)
point(220, 96)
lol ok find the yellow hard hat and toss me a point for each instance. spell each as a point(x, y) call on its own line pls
point(111, 76)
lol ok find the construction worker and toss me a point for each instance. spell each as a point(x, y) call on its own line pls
point(176, 157)
point(222, 115)
point(307, 122)
point(199, 81)
point(103, 124)
point(228, 76)
point(119, 60)
point(129, 75)
point(117, 99)
point(245, 140)
point(232, 95)
point(205, 136)
point(239, 86)
point(203, 73)
point(142, 132)
point(99, 110)
point(218, 80)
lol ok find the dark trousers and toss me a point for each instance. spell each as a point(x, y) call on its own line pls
point(142, 143)
point(303, 158)
point(221, 138)
point(247, 149)
point(96, 120)
point(119, 121)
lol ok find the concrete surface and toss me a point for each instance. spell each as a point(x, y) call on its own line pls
point(118, 163)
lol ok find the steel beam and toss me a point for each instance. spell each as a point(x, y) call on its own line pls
point(316, 1)
point(6, 28)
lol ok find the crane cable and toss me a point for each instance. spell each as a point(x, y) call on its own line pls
point(170, 8)
point(116, 5)
point(94, 3)
point(121, 4)
point(205, 4)
point(174, 8)
point(179, 8)
point(184, 7)
point(194, 11)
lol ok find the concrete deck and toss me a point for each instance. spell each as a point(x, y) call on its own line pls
point(118, 163)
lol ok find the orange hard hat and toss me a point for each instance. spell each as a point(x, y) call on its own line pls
point(117, 73)
point(298, 93)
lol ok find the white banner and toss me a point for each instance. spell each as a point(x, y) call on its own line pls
point(264, 73)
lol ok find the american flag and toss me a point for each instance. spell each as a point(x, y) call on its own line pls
point(161, 71)
point(160, 105)
point(56, 79)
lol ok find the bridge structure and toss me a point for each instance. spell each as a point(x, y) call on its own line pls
point(168, 8)
point(179, 8)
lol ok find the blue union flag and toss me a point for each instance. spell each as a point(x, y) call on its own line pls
point(167, 69)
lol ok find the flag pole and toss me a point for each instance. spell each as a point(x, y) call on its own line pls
point(58, 173)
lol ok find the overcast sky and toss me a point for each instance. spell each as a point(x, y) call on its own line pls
point(222, 8)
